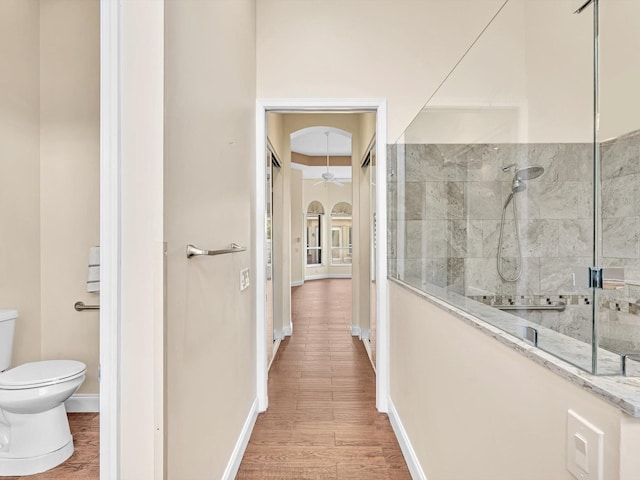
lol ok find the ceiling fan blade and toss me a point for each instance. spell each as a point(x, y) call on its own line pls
point(339, 184)
point(318, 183)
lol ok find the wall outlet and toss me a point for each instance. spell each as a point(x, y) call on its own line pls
point(244, 279)
point(585, 445)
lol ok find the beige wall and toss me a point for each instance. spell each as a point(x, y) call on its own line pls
point(209, 165)
point(620, 67)
point(387, 49)
point(363, 224)
point(69, 178)
point(50, 128)
point(281, 228)
point(560, 104)
point(20, 172)
point(476, 399)
point(528, 79)
point(275, 134)
point(298, 241)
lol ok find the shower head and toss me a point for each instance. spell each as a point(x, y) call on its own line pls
point(529, 172)
point(523, 173)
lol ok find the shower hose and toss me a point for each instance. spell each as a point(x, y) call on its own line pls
point(511, 199)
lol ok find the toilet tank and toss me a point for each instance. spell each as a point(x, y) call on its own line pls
point(7, 325)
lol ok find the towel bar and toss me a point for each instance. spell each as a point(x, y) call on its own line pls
point(559, 306)
point(193, 251)
point(80, 306)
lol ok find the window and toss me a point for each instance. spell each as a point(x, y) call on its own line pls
point(315, 213)
point(341, 234)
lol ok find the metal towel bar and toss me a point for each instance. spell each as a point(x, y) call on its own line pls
point(80, 306)
point(193, 251)
point(559, 306)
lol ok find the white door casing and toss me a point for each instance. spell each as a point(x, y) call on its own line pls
point(378, 106)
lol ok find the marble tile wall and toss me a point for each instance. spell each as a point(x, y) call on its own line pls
point(446, 202)
point(619, 314)
point(445, 205)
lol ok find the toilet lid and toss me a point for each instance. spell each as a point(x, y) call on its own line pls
point(35, 374)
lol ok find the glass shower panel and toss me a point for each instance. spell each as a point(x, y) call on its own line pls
point(492, 183)
point(618, 135)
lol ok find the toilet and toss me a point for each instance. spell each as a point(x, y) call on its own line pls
point(34, 429)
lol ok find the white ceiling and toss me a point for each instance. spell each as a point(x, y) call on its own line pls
point(312, 141)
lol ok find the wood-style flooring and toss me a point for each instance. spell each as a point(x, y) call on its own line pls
point(322, 421)
point(84, 464)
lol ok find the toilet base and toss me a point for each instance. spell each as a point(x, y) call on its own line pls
point(30, 466)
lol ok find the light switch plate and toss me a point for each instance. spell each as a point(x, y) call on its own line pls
point(244, 279)
point(585, 446)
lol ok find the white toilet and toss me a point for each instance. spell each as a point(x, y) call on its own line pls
point(34, 429)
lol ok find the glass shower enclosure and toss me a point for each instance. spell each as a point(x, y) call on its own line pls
point(515, 192)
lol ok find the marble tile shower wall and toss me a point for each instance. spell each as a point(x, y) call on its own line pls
point(619, 313)
point(445, 206)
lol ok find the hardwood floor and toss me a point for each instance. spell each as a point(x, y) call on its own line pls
point(322, 421)
point(84, 464)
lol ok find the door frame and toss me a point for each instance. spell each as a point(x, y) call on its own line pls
point(110, 234)
point(379, 106)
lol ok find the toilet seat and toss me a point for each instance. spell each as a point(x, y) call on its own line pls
point(41, 374)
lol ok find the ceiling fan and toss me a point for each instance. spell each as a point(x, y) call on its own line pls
point(328, 177)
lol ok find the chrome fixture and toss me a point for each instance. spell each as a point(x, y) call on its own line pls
point(517, 185)
point(608, 278)
point(635, 357)
point(580, 5)
point(559, 306)
point(525, 173)
point(80, 306)
point(530, 335)
point(193, 251)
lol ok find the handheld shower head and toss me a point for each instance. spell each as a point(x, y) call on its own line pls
point(528, 172)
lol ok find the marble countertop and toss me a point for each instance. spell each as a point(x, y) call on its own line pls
point(623, 392)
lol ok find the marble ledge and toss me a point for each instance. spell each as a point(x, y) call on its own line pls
point(622, 392)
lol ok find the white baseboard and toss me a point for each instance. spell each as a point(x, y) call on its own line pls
point(367, 347)
point(278, 335)
point(405, 444)
point(297, 283)
point(83, 402)
point(355, 331)
point(241, 445)
point(288, 330)
point(327, 275)
point(276, 346)
point(365, 333)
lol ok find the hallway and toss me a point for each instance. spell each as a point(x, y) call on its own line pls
point(322, 422)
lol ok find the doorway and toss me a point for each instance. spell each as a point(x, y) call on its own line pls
point(378, 107)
